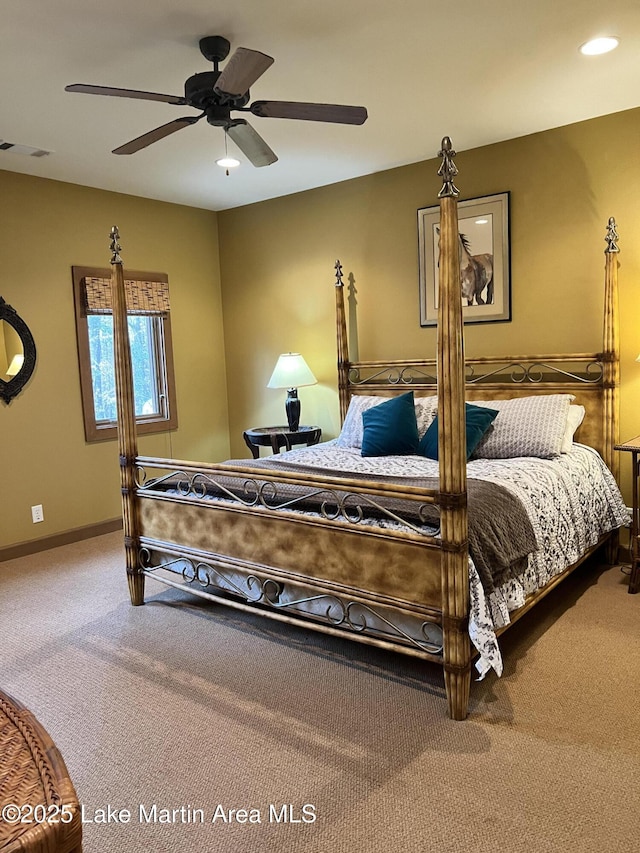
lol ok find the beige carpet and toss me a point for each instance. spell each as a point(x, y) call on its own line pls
point(189, 707)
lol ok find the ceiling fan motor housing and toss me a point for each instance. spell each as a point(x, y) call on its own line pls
point(199, 93)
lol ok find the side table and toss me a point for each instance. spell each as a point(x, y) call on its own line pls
point(279, 436)
point(633, 447)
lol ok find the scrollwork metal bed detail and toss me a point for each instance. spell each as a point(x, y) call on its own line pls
point(403, 587)
point(334, 610)
point(522, 369)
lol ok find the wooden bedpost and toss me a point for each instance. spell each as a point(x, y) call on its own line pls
point(611, 369)
point(342, 344)
point(611, 351)
point(126, 422)
point(452, 450)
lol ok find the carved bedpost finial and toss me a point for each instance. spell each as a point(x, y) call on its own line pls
point(448, 169)
point(116, 248)
point(338, 268)
point(612, 236)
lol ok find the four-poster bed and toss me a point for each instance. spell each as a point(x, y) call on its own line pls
point(379, 559)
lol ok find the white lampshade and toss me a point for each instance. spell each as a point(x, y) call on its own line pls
point(291, 371)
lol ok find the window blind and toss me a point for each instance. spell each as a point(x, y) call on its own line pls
point(142, 297)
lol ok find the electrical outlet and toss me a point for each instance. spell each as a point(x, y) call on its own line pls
point(37, 513)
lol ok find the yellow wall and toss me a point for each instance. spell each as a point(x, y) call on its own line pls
point(277, 259)
point(45, 228)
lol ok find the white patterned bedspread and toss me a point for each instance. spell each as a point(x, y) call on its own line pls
point(571, 500)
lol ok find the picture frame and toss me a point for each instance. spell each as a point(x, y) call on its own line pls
point(483, 224)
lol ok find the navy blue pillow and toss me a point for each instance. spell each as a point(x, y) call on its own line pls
point(390, 428)
point(478, 419)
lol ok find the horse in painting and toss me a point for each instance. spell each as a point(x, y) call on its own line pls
point(476, 274)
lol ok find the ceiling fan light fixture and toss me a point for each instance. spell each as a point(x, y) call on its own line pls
point(600, 45)
point(227, 162)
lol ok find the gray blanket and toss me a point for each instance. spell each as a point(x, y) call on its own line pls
point(500, 533)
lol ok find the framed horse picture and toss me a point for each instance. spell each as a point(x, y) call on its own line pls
point(485, 274)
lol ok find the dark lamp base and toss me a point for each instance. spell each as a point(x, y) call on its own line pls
point(292, 408)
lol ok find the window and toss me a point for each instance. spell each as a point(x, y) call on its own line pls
point(149, 322)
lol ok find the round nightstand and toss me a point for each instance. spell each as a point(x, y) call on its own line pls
point(279, 436)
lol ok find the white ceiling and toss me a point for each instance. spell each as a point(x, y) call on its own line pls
point(479, 71)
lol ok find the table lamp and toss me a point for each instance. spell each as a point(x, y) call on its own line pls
point(291, 372)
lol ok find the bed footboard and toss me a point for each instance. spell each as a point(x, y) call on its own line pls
point(240, 537)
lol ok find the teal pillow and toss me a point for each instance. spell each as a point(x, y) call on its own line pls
point(390, 429)
point(478, 419)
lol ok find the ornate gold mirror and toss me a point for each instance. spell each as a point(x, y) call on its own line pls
point(17, 352)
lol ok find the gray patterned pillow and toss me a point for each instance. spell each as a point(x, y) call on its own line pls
point(352, 429)
point(351, 432)
point(525, 426)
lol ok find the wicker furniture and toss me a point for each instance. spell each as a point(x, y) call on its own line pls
point(269, 559)
point(40, 809)
point(279, 436)
point(633, 447)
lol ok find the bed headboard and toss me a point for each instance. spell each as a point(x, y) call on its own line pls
point(593, 378)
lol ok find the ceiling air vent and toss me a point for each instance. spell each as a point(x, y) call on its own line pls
point(23, 149)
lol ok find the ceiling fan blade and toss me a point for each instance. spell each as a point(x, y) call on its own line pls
point(123, 93)
point(241, 71)
point(251, 143)
point(309, 112)
point(154, 135)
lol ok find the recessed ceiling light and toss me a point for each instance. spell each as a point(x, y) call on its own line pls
point(599, 45)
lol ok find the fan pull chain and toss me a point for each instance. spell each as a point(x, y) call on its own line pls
point(226, 152)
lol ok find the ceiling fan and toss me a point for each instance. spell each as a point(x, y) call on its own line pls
point(218, 93)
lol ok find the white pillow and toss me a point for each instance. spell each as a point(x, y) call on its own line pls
point(426, 410)
point(574, 419)
point(525, 426)
point(351, 432)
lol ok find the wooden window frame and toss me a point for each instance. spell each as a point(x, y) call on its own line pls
point(145, 424)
